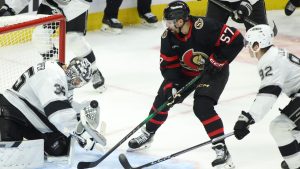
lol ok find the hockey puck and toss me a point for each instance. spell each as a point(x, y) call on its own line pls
point(94, 104)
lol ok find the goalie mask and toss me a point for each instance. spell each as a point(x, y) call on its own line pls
point(79, 72)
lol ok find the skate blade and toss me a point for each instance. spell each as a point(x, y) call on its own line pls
point(228, 165)
point(150, 25)
point(101, 89)
point(106, 28)
point(144, 147)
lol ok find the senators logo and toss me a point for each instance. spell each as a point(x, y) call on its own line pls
point(193, 60)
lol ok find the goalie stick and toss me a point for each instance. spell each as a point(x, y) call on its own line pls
point(187, 89)
point(220, 4)
point(125, 163)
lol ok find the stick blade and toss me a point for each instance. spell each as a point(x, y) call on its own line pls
point(124, 161)
point(83, 165)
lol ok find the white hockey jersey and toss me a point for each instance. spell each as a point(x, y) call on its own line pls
point(279, 72)
point(71, 8)
point(42, 95)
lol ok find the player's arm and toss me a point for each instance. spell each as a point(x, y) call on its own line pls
point(229, 42)
point(169, 61)
point(272, 78)
point(13, 7)
point(225, 42)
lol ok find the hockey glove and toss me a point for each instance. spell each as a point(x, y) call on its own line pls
point(214, 65)
point(85, 140)
point(241, 127)
point(5, 10)
point(170, 90)
point(243, 10)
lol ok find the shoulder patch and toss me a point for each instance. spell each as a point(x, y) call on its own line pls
point(199, 23)
point(164, 35)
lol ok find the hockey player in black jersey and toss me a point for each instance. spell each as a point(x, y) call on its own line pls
point(75, 29)
point(255, 10)
point(189, 45)
point(40, 105)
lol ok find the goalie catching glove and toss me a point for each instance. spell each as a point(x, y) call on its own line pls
point(241, 127)
point(86, 130)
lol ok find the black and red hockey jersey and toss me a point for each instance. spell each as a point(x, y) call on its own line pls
point(186, 55)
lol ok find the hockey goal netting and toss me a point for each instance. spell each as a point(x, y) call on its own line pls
point(26, 40)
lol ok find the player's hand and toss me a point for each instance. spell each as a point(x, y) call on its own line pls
point(170, 92)
point(243, 10)
point(241, 127)
point(5, 10)
point(213, 65)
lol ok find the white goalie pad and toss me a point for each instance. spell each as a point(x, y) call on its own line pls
point(22, 154)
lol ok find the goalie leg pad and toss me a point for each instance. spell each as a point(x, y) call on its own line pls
point(22, 154)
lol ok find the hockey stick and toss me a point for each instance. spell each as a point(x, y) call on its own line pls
point(124, 161)
point(220, 4)
point(167, 104)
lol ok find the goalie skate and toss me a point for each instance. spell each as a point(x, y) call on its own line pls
point(141, 142)
point(223, 159)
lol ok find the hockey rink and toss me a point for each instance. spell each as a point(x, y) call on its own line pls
point(130, 65)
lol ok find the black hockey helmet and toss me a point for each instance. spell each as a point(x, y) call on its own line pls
point(177, 10)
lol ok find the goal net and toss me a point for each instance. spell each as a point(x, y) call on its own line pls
point(26, 40)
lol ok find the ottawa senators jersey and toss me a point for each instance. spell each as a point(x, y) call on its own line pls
point(41, 94)
point(279, 72)
point(186, 54)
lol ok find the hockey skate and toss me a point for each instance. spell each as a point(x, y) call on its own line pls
point(112, 25)
point(98, 81)
point(141, 142)
point(289, 9)
point(149, 19)
point(223, 159)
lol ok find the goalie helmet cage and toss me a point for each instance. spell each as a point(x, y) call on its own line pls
point(26, 40)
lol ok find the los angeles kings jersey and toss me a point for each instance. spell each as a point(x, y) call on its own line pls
point(185, 55)
point(279, 72)
point(42, 96)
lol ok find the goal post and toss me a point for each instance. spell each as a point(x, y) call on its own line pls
point(29, 39)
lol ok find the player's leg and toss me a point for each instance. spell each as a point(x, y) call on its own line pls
point(216, 12)
point(76, 30)
point(41, 36)
point(110, 19)
point(144, 10)
point(285, 130)
point(206, 97)
point(258, 15)
point(146, 137)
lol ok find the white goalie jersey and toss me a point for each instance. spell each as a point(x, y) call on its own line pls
point(279, 72)
point(42, 95)
point(70, 8)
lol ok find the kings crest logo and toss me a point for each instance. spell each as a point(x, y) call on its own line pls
point(59, 89)
point(193, 60)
